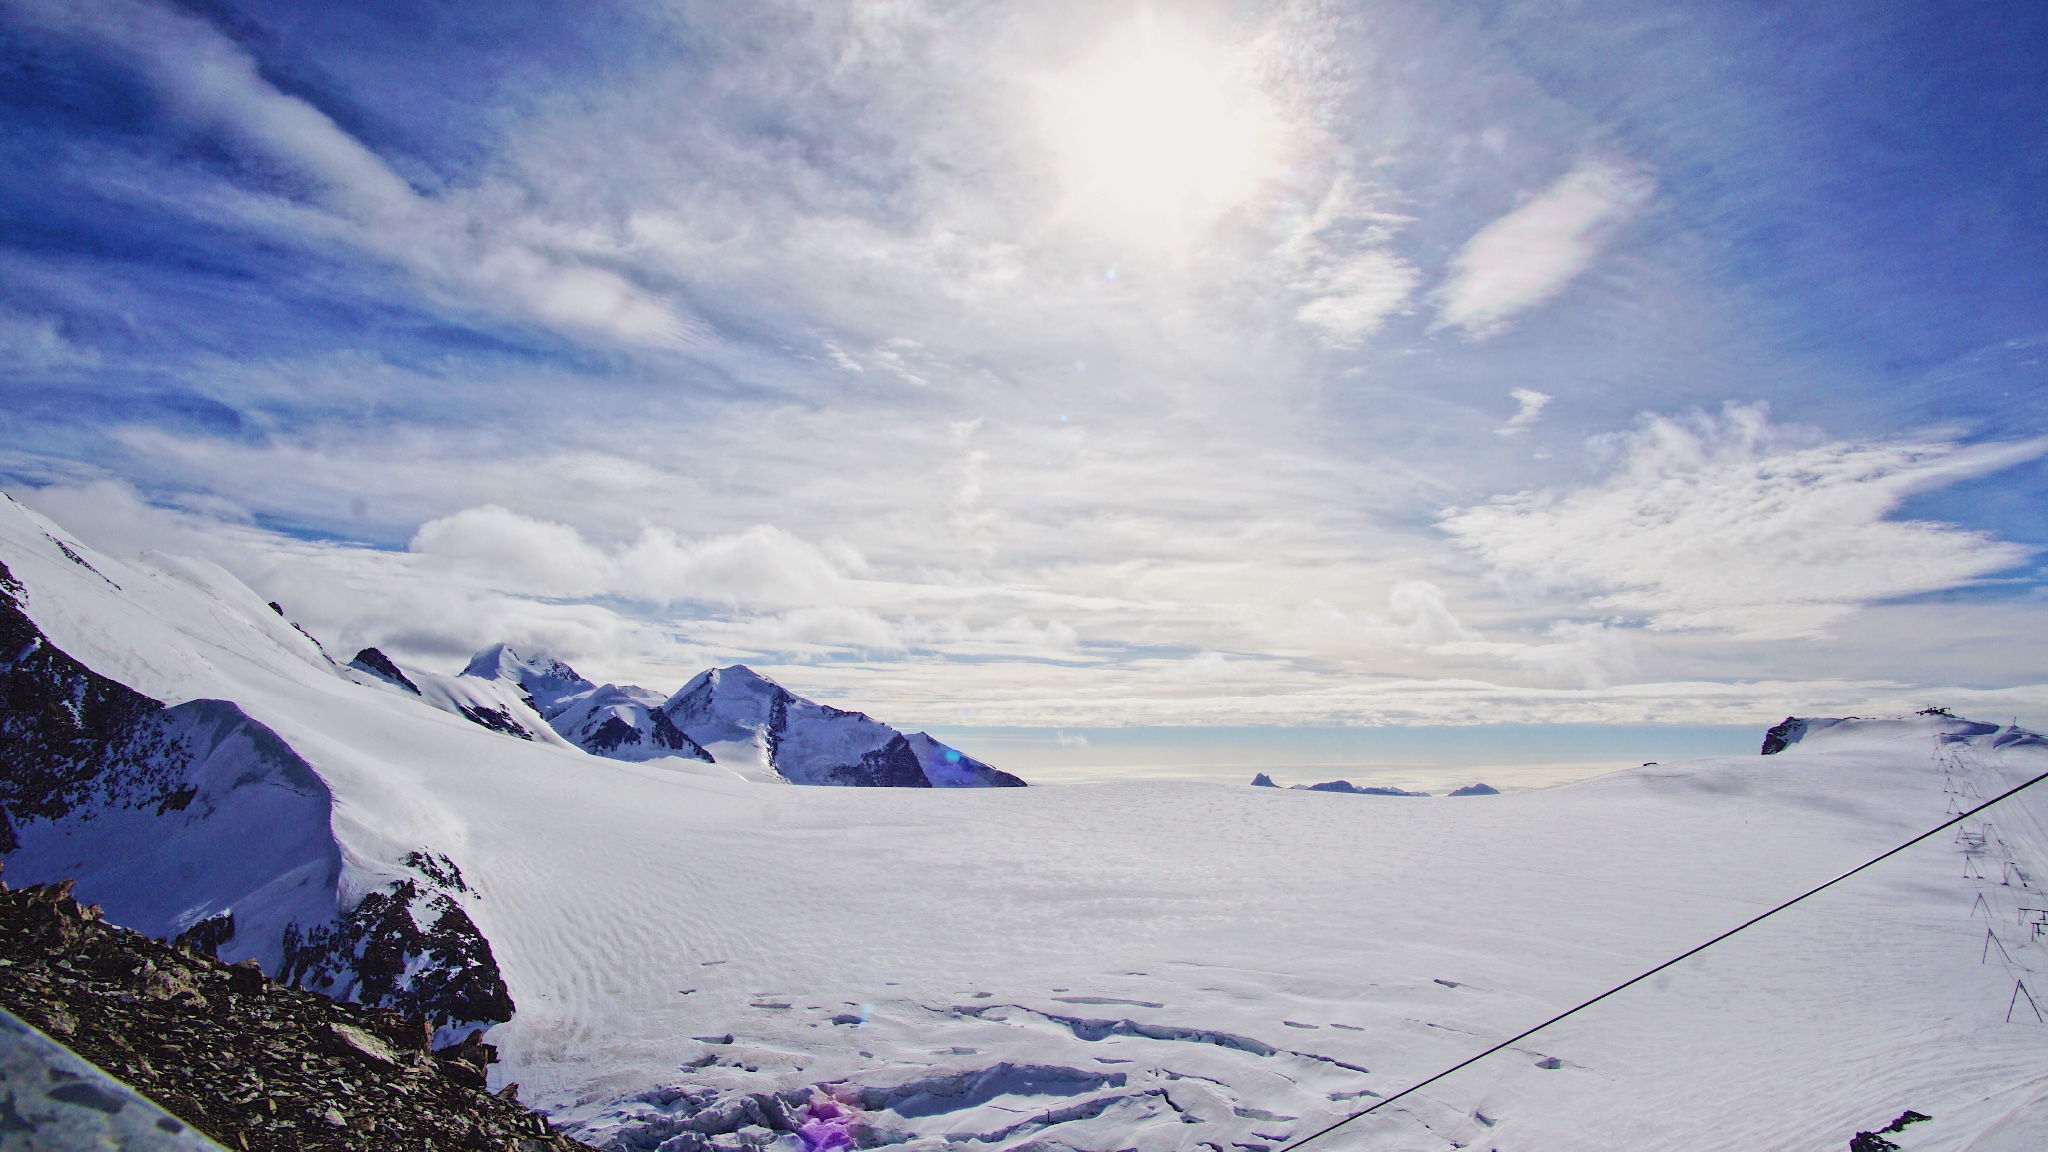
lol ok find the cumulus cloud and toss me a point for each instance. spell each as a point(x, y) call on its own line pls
point(513, 551)
point(1719, 524)
point(762, 567)
point(1526, 256)
point(211, 83)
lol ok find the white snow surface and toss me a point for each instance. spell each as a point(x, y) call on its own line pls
point(1262, 944)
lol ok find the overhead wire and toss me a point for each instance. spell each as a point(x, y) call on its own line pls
point(1640, 977)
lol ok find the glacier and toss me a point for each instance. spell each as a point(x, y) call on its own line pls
point(686, 956)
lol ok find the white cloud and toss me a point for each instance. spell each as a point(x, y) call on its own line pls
point(1524, 257)
point(1338, 258)
point(1715, 524)
point(1356, 296)
point(1531, 408)
point(515, 552)
point(211, 83)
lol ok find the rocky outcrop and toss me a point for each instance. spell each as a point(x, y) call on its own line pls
point(1261, 780)
point(379, 665)
point(1876, 1142)
point(893, 765)
point(1356, 790)
point(1476, 790)
point(410, 948)
point(69, 736)
point(1783, 735)
point(252, 1063)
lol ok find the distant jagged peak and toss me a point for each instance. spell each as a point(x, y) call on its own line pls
point(548, 684)
point(806, 742)
point(503, 662)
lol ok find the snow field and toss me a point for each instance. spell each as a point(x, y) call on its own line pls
point(1226, 951)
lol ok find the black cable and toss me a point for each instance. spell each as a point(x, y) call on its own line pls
point(1659, 968)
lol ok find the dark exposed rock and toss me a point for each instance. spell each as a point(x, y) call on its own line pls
point(72, 555)
point(1262, 780)
point(1783, 735)
point(1353, 789)
point(616, 733)
point(208, 935)
point(439, 869)
point(893, 765)
point(1477, 790)
point(254, 1064)
point(379, 665)
point(406, 948)
point(1875, 1141)
point(496, 719)
point(68, 734)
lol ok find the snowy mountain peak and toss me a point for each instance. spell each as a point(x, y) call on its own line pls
point(724, 705)
point(543, 677)
point(810, 743)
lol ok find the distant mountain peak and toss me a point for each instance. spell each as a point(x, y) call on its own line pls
point(503, 662)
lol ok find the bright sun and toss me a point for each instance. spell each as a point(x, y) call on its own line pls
point(1160, 132)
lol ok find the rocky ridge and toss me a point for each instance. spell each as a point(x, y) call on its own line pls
point(255, 1064)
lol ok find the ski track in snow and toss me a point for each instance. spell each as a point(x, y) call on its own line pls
point(971, 929)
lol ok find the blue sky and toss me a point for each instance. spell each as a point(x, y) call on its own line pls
point(1066, 364)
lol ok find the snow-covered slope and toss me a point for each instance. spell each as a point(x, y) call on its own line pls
point(810, 743)
point(157, 720)
point(1148, 965)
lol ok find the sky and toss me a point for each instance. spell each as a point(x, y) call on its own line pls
point(1047, 367)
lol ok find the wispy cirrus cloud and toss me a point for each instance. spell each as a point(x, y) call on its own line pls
point(214, 86)
point(1727, 524)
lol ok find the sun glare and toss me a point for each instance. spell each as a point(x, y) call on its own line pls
point(1161, 133)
